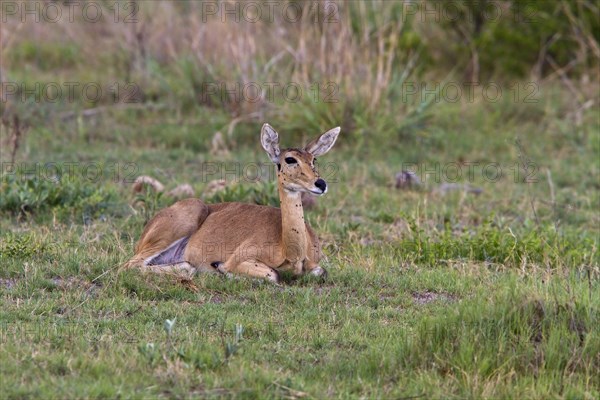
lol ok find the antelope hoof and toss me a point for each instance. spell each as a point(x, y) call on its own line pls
point(219, 267)
point(320, 272)
point(273, 276)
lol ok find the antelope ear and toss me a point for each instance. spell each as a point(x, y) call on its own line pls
point(269, 139)
point(323, 143)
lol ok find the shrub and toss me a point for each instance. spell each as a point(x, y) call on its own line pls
point(23, 195)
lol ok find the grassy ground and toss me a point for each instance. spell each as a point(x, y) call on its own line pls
point(430, 294)
point(433, 292)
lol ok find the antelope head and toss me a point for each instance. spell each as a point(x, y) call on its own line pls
point(296, 170)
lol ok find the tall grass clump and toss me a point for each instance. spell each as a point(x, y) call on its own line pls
point(551, 336)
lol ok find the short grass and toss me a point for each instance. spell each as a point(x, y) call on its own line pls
point(430, 294)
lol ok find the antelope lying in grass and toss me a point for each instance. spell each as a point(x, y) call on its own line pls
point(238, 238)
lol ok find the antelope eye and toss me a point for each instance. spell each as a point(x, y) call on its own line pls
point(290, 160)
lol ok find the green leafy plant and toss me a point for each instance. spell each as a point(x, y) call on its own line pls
point(30, 195)
point(21, 246)
point(232, 347)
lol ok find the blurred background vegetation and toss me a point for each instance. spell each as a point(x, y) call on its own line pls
point(363, 55)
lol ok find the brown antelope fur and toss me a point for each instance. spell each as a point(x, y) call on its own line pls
point(239, 238)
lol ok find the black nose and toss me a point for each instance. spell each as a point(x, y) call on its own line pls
point(321, 184)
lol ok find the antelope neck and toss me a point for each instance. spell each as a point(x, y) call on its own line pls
point(293, 230)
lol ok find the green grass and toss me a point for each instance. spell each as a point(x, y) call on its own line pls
point(429, 295)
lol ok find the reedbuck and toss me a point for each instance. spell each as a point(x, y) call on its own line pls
point(238, 238)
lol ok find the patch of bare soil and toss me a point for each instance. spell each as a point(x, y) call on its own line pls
point(8, 283)
point(426, 297)
point(73, 282)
